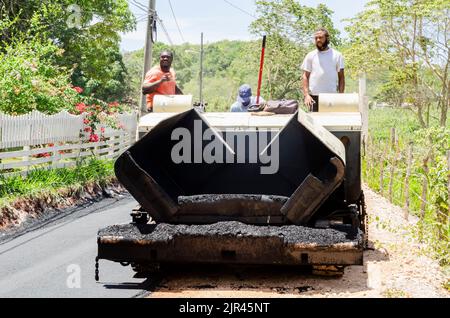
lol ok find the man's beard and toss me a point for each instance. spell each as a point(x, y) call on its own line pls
point(165, 68)
point(324, 47)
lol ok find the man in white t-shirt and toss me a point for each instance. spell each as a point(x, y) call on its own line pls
point(323, 71)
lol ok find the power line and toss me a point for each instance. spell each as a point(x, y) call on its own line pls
point(145, 16)
point(141, 15)
point(176, 22)
point(165, 30)
point(240, 9)
point(139, 5)
point(142, 18)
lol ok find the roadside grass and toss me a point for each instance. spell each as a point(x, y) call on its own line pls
point(46, 181)
point(404, 120)
point(446, 285)
point(395, 293)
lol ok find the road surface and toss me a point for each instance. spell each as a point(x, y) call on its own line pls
point(57, 258)
point(46, 260)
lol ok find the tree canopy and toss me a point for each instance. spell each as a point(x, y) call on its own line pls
point(409, 41)
point(290, 27)
point(86, 31)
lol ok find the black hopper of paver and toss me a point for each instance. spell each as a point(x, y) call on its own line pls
point(309, 173)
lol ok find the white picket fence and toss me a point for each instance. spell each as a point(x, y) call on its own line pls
point(36, 140)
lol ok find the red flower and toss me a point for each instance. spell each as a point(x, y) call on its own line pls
point(114, 104)
point(93, 138)
point(81, 107)
point(43, 155)
point(86, 121)
point(102, 129)
point(88, 129)
point(79, 90)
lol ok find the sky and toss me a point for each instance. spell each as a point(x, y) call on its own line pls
point(217, 19)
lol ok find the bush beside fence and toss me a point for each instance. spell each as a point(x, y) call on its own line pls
point(416, 177)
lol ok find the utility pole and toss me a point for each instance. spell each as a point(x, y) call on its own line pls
point(201, 71)
point(148, 49)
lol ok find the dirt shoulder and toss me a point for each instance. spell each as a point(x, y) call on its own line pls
point(395, 266)
point(43, 207)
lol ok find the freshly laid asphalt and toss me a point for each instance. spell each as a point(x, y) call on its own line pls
point(56, 258)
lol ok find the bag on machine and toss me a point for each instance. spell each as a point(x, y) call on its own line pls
point(284, 106)
point(289, 106)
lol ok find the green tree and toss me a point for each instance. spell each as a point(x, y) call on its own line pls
point(29, 78)
point(289, 27)
point(87, 31)
point(410, 39)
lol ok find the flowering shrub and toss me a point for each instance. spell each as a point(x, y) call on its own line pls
point(29, 80)
point(98, 114)
point(77, 89)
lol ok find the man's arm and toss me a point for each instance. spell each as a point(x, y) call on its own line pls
point(148, 88)
point(341, 76)
point(234, 108)
point(308, 99)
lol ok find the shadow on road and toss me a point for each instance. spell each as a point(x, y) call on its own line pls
point(147, 285)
